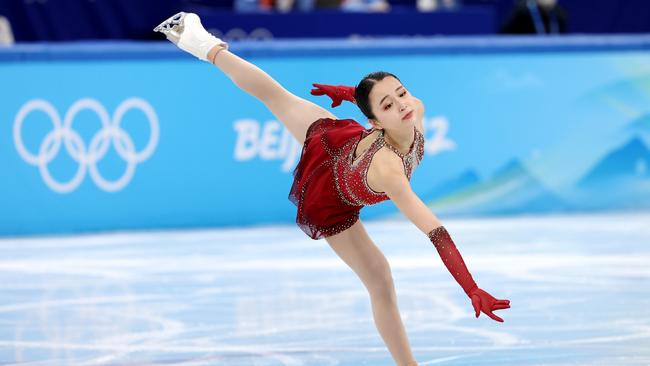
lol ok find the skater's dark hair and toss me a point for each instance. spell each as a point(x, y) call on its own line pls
point(362, 92)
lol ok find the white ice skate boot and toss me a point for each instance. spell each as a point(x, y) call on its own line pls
point(186, 31)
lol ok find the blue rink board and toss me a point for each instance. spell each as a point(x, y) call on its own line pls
point(513, 125)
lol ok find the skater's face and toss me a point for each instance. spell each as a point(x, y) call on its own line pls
point(393, 105)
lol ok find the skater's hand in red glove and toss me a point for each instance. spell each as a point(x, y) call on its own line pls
point(337, 93)
point(482, 301)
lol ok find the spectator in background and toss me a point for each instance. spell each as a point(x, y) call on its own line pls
point(370, 6)
point(536, 17)
point(367, 6)
point(6, 35)
point(384, 5)
point(433, 5)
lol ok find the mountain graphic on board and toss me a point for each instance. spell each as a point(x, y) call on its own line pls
point(511, 189)
point(640, 124)
point(628, 163)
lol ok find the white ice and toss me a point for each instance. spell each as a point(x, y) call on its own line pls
point(579, 288)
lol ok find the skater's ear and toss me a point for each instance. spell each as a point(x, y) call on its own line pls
point(375, 124)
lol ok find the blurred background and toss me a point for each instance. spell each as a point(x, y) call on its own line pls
point(144, 212)
point(67, 20)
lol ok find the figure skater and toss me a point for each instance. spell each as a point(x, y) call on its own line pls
point(343, 167)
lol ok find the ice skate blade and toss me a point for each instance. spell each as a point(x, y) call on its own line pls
point(172, 27)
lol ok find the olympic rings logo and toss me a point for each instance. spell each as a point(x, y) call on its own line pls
point(111, 132)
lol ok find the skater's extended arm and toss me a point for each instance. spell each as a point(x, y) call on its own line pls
point(398, 189)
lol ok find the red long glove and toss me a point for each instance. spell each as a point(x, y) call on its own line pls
point(338, 93)
point(481, 300)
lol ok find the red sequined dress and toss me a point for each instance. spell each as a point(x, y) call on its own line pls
point(329, 188)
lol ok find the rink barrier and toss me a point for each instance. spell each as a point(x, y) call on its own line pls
point(555, 125)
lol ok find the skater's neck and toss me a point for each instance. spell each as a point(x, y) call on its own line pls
point(401, 139)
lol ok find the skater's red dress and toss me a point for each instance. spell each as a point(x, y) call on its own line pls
point(329, 188)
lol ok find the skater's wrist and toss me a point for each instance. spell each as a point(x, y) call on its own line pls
point(471, 291)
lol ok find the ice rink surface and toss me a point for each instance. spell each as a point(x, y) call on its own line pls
point(579, 287)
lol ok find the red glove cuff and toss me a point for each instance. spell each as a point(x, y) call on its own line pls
point(452, 259)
